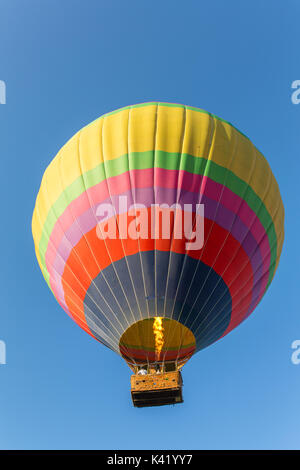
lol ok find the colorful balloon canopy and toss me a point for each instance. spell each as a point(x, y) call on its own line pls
point(114, 287)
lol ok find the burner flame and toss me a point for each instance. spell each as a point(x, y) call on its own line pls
point(158, 331)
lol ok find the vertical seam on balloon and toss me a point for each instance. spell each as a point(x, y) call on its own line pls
point(264, 235)
point(226, 238)
point(151, 221)
point(278, 250)
point(178, 174)
point(210, 231)
point(112, 341)
point(125, 256)
point(211, 267)
point(247, 185)
point(42, 254)
point(154, 190)
point(133, 197)
point(72, 315)
point(84, 236)
point(112, 262)
point(274, 244)
point(175, 214)
point(240, 301)
point(261, 205)
point(39, 257)
point(242, 315)
point(138, 241)
point(206, 163)
point(116, 221)
point(89, 247)
point(95, 259)
point(182, 336)
point(257, 297)
point(58, 254)
point(74, 248)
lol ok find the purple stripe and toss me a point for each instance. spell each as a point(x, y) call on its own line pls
point(222, 216)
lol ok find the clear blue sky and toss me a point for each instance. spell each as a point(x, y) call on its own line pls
point(66, 62)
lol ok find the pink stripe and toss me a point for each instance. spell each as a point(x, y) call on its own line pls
point(135, 179)
point(163, 179)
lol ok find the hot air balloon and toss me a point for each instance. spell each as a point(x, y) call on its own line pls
point(156, 297)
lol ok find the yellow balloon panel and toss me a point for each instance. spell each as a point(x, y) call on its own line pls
point(138, 344)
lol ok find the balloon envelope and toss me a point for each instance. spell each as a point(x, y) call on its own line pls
point(150, 155)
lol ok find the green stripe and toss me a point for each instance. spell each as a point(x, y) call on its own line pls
point(168, 161)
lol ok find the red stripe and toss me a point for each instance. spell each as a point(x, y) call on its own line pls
point(91, 255)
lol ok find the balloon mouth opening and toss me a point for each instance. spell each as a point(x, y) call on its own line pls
point(157, 340)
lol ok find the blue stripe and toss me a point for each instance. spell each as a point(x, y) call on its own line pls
point(145, 284)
